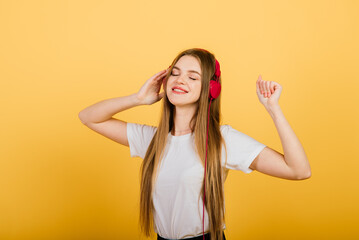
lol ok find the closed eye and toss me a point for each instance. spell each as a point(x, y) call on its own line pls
point(177, 75)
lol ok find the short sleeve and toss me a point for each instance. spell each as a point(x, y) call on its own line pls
point(139, 138)
point(241, 149)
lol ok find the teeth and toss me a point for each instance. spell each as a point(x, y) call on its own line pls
point(178, 90)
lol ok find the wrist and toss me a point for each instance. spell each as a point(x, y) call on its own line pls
point(136, 100)
point(274, 110)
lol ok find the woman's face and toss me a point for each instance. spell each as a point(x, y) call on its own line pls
point(186, 74)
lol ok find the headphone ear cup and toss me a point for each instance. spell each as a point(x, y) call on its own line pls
point(214, 89)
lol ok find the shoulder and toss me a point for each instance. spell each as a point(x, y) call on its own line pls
point(231, 134)
point(141, 129)
point(224, 128)
point(139, 137)
point(227, 129)
point(141, 126)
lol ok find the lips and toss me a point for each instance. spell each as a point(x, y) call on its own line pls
point(179, 89)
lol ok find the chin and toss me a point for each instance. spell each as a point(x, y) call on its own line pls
point(177, 103)
point(181, 103)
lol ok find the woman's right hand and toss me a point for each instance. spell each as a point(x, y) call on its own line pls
point(149, 92)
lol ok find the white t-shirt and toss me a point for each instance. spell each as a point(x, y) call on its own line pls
point(178, 207)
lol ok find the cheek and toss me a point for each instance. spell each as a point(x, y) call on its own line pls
point(168, 84)
point(168, 88)
point(196, 91)
point(198, 88)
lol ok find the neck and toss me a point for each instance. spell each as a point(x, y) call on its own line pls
point(182, 118)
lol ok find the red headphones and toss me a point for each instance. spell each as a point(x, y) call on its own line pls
point(214, 85)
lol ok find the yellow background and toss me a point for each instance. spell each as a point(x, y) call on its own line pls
point(61, 180)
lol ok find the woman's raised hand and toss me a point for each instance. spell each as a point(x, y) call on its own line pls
point(268, 92)
point(149, 92)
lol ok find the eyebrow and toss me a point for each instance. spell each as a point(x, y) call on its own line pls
point(188, 70)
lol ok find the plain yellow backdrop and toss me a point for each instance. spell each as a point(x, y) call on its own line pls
point(61, 180)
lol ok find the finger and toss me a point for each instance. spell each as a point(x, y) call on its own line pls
point(262, 87)
point(260, 84)
point(161, 77)
point(164, 80)
point(267, 88)
point(257, 86)
point(159, 73)
point(162, 72)
point(161, 95)
point(271, 87)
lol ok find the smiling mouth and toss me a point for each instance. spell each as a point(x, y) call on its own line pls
point(178, 91)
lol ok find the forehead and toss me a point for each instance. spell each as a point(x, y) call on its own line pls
point(188, 63)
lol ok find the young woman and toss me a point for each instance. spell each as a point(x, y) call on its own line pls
point(186, 158)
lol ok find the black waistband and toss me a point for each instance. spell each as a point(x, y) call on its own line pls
point(207, 236)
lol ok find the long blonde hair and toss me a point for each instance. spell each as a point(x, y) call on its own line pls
point(214, 197)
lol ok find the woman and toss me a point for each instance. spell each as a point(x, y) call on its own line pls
point(180, 160)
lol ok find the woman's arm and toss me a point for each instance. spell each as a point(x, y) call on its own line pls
point(147, 95)
point(294, 163)
point(104, 110)
point(297, 165)
point(98, 116)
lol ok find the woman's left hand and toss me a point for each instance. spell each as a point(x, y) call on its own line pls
point(268, 92)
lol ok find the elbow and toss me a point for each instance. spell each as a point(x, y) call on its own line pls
point(307, 176)
point(304, 176)
point(81, 117)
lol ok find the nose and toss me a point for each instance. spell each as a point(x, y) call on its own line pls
point(180, 79)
